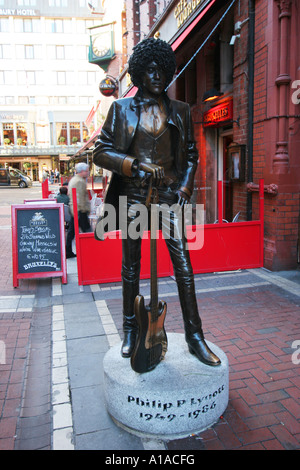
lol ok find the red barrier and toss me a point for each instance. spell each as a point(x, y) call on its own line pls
point(227, 246)
point(45, 189)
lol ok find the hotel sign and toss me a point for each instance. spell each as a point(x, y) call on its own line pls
point(18, 12)
point(218, 115)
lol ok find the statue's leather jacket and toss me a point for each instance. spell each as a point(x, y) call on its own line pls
point(117, 134)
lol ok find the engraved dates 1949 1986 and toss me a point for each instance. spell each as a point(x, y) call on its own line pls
point(182, 406)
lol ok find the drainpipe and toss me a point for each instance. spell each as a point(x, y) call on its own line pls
point(251, 40)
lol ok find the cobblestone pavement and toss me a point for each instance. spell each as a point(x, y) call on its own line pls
point(53, 338)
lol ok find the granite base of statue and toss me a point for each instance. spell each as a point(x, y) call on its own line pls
point(180, 397)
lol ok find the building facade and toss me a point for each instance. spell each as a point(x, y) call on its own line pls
point(238, 66)
point(49, 89)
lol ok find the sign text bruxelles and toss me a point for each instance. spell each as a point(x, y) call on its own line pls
point(218, 114)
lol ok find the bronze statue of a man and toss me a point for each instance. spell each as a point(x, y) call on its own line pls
point(151, 135)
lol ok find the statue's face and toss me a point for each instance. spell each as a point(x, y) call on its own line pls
point(154, 80)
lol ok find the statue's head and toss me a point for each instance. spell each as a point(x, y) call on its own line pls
point(151, 51)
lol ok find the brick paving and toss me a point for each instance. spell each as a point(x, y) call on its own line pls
point(256, 329)
point(250, 315)
point(21, 376)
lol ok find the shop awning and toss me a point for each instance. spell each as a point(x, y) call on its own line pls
point(90, 143)
point(187, 30)
point(131, 92)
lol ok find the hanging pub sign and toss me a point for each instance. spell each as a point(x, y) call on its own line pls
point(108, 86)
point(218, 115)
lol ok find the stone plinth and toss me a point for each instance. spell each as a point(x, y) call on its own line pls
point(181, 396)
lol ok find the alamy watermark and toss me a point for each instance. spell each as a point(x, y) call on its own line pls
point(296, 354)
point(2, 353)
point(175, 222)
point(296, 94)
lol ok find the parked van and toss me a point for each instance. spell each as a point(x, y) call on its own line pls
point(12, 176)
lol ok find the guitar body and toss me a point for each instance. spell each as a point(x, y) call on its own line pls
point(151, 345)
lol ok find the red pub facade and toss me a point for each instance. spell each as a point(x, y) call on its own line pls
point(238, 66)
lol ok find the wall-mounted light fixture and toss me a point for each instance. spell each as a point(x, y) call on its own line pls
point(237, 30)
point(233, 38)
point(211, 95)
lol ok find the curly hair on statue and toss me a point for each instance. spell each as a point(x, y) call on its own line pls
point(151, 50)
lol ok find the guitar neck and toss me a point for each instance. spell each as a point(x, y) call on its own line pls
point(153, 259)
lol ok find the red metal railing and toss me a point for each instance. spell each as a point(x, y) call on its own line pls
point(227, 246)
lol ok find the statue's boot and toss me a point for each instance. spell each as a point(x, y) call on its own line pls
point(193, 326)
point(130, 329)
point(198, 347)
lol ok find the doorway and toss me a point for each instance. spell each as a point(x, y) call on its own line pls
point(225, 139)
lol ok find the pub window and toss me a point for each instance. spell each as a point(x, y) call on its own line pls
point(22, 134)
point(61, 133)
point(8, 133)
point(75, 132)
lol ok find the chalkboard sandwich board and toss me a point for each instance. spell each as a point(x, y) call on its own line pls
point(38, 241)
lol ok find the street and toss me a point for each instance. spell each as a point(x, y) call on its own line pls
point(53, 339)
point(14, 195)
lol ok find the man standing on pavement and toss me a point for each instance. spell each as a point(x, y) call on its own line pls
point(83, 204)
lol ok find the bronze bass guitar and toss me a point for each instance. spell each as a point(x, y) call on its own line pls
point(151, 344)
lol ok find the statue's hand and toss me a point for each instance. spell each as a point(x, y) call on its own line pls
point(183, 198)
point(157, 172)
